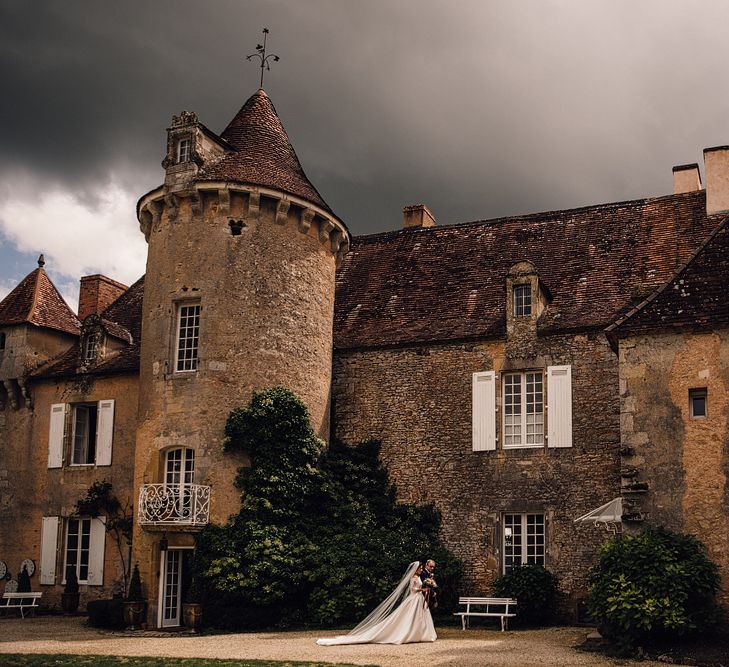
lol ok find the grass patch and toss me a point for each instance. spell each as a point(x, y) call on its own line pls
point(60, 660)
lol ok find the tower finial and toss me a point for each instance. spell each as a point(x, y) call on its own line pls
point(261, 55)
point(41, 261)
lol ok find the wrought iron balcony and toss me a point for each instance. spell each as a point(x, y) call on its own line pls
point(170, 506)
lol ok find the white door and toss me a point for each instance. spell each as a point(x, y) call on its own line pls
point(171, 587)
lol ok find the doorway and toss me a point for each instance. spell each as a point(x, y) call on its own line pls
point(174, 581)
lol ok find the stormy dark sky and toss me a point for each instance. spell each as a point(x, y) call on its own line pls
point(479, 108)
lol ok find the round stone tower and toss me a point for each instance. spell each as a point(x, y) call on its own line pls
point(238, 296)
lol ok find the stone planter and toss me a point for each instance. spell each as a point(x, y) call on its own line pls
point(135, 613)
point(69, 602)
point(192, 615)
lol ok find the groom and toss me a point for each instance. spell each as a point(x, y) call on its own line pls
point(431, 594)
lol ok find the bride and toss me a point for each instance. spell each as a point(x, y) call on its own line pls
point(403, 617)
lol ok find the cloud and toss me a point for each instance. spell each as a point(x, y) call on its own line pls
point(6, 286)
point(77, 236)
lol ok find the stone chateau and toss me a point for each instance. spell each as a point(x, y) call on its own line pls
point(520, 372)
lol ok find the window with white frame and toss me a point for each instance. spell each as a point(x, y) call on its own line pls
point(523, 540)
point(78, 548)
point(522, 300)
point(183, 150)
point(188, 334)
point(523, 399)
point(179, 476)
point(84, 433)
point(91, 345)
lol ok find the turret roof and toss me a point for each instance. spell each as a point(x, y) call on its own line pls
point(35, 300)
point(263, 152)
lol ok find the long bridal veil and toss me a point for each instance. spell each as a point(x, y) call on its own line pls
point(386, 607)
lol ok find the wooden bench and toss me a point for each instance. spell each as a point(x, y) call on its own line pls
point(507, 609)
point(20, 601)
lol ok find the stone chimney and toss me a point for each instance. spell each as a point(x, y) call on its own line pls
point(716, 172)
point(96, 293)
point(686, 178)
point(418, 215)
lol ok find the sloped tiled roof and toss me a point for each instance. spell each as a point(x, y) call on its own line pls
point(448, 283)
point(126, 313)
point(263, 152)
point(696, 298)
point(36, 300)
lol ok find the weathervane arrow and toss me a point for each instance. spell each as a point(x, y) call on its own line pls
point(262, 57)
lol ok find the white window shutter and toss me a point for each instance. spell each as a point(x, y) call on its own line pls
point(484, 411)
point(56, 429)
point(49, 545)
point(559, 411)
point(104, 433)
point(97, 542)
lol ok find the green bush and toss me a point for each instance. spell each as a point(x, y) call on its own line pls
point(534, 589)
point(135, 586)
point(106, 613)
point(319, 537)
point(652, 584)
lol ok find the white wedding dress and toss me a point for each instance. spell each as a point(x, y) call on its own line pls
point(409, 621)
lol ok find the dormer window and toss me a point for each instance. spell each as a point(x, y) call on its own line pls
point(90, 348)
point(522, 300)
point(183, 150)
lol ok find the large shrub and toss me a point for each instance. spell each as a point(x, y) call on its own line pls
point(319, 537)
point(651, 584)
point(534, 589)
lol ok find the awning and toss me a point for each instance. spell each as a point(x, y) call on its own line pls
point(610, 514)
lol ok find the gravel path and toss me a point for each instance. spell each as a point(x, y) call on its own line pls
point(454, 648)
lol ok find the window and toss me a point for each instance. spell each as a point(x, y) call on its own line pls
point(2, 340)
point(179, 476)
point(523, 409)
point(523, 537)
point(90, 347)
point(697, 403)
point(84, 434)
point(183, 150)
point(522, 300)
point(78, 548)
point(188, 332)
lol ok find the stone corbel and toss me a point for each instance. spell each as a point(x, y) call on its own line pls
point(282, 212)
point(343, 249)
point(26, 394)
point(325, 229)
point(336, 238)
point(224, 202)
point(254, 205)
point(155, 208)
point(307, 215)
point(172, 204)
point(10, 390)
point(145, 223)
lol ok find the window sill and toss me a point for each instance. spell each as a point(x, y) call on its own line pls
point(81, 465)
point(509, 448)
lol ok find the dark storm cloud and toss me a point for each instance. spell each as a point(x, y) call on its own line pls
point(477, 108)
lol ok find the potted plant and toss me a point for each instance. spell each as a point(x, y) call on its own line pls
point(70, 596)
point(191, 607)
point(135, 605)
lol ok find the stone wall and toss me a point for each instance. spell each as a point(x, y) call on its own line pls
point(29, 490)
point(684, 461)
point(417, 401)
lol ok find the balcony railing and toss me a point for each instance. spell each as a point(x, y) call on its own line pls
point(186, 505)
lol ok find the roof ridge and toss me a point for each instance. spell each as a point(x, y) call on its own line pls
point(527, 216)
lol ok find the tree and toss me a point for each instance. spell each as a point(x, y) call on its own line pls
point(319, 537)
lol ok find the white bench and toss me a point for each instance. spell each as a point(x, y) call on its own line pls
point(507, 609)
point(20, 601)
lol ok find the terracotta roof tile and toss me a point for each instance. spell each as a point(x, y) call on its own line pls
point(447, 283)
point(696, 298)
point(37, 301)
point(263, 152)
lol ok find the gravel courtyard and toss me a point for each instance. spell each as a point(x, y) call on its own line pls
point(475, 647)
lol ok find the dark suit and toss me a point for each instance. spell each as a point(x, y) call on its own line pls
point(431, 594)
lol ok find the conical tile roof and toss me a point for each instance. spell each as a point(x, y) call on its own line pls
point(36, 300)
point(263, 152)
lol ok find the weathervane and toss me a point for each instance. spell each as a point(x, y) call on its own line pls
point(261, 55)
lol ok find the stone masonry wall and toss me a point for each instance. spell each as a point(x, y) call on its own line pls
point(683, 460)
point(29, 490)
point(417, 401)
